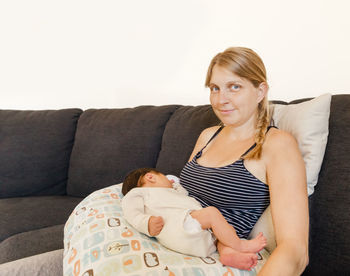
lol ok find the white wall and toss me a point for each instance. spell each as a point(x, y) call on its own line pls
point(58, 54)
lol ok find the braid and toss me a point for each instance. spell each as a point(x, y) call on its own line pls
point(262, 124)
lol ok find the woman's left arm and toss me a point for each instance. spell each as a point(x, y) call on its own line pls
point(286, 177)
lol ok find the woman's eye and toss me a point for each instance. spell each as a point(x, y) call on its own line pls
point(235, 87)
point(214, 89)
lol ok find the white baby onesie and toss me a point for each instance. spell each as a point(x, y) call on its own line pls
point(173, 205)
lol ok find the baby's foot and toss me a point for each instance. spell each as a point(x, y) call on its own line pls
point(239, 260)
point(254, 245)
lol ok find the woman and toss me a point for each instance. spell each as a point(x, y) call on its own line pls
point(244, 165)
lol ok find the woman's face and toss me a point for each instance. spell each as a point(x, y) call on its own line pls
point(233, 99)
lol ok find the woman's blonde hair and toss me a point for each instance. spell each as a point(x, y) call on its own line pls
point(246, 64)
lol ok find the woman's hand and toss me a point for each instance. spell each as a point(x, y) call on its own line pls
point(155, 225)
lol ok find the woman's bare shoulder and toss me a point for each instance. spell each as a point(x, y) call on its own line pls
point(206, 134)
point(278, 140)
point(203, 139)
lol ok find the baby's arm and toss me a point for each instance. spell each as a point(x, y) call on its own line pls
point(134, 211)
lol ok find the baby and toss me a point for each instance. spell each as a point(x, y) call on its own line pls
point(159, 206)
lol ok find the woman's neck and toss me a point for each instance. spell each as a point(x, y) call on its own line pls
point(243, 132)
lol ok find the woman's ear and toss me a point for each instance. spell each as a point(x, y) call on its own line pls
point(262, 91)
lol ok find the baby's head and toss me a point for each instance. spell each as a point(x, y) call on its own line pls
point(145, 177)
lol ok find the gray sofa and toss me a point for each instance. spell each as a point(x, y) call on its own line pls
point(50, 160)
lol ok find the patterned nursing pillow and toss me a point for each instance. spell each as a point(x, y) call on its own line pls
point(98, 241)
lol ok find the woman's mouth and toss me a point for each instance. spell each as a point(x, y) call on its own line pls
point(226, 111)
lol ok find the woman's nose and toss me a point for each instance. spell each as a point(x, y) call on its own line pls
point(222, 96)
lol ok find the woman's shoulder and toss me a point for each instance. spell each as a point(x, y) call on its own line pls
point(206, 134)
point(203, 139)
point(278, 140)
point(210, 131)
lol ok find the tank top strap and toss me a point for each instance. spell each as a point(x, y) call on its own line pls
point(269, 127)
point(218, 131)
point(253, 146)
point(248, 150)
point(214, 135)
point(211, 138)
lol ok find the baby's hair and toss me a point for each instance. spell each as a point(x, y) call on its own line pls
point(134, 179)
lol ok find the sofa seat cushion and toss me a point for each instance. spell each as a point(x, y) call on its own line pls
point(31, 243)
point(49, 263)
point(109, 143)
point(25, 214)
point(35, 148)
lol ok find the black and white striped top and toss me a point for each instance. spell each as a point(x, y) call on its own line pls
point(239, 195)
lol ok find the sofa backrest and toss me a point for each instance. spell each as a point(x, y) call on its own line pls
point(109, 143)
point(330, 204)
point(35, 148)
point(180, 135)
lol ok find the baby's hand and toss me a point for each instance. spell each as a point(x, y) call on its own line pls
point(155, 225)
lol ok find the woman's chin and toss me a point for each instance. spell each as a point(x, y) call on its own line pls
point(227, 121)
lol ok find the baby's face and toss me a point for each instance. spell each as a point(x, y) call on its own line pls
point(163, 181)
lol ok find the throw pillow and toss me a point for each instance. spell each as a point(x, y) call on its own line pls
point(308, 123)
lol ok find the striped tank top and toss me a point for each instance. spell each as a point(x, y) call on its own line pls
point(239, 195)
